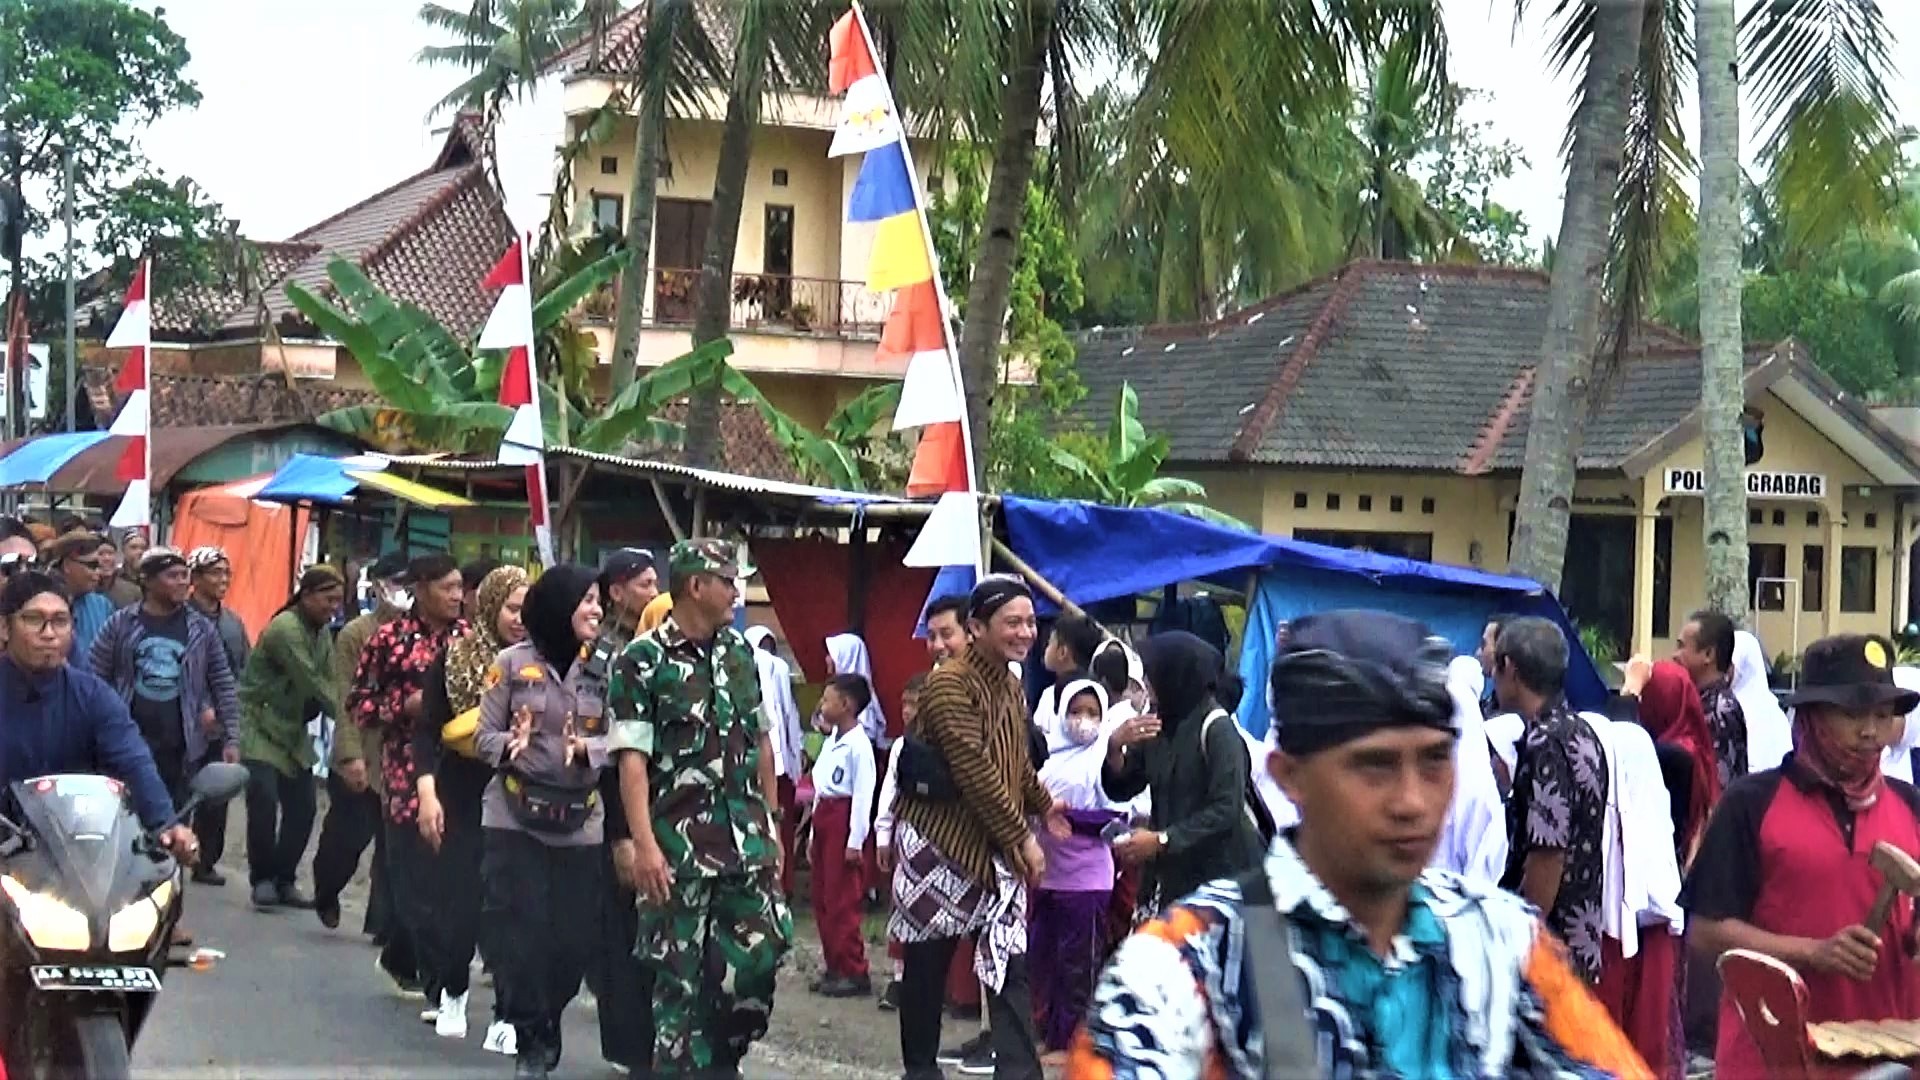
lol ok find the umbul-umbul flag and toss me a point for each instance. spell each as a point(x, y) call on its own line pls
point(510, 327)
point(134, 332)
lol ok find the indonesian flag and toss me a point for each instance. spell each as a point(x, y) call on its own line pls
point(510, 327)
point(134, 332)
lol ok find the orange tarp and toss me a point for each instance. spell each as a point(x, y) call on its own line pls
point(260, 539)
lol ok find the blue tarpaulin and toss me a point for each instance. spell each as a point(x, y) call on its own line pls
point(36, 460)
point(1093, 553)
point(309, 478)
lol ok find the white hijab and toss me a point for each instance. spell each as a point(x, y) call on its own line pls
point(778, 710)
point(1072, 773)
point(1769, 735)
point(1473, 842)
point(848, 654)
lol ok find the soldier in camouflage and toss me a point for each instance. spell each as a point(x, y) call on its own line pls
point(696, 777)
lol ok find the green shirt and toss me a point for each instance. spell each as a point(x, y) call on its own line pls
point(694, 711)
point(288, 678)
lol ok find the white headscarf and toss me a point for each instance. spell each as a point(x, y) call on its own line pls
point(1072, 773)
point(848, 653)
point(1897, 759)
point(778, 710)
point(1473, 842)
point(1769, 735)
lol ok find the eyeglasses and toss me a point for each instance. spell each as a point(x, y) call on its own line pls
point(36, 622)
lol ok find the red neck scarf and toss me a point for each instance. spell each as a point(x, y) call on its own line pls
point(1814, 749)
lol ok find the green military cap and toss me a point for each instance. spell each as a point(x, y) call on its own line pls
point(707, 555)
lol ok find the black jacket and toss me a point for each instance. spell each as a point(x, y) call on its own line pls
point(1199, 801)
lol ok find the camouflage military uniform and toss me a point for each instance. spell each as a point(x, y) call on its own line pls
point(693, 710)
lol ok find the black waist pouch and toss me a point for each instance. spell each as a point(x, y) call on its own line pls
point(923, 771)
point(548, 808)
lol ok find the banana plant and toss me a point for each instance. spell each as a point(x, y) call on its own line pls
point(1128, 474)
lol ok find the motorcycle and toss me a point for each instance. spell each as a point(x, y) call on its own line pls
point(91, 900)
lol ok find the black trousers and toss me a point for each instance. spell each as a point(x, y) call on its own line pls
point(623, 984)
point(209, 822)
point(540, 912)
point(410, 868)
point(280, 811)
point(923, 989)
point(353, 819)
point(453, 882)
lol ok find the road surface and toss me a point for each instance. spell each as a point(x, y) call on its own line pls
point(293, 999)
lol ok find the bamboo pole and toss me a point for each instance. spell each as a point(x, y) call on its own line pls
point(666, 509)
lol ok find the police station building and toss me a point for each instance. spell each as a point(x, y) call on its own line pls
point(1385, 407)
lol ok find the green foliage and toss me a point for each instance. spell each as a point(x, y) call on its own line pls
point(502, 45)
point(90, 74)
point(1125, 471)
point(1465, 162)
point(1840, 328)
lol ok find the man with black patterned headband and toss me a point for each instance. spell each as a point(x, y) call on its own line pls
point(1344, 954)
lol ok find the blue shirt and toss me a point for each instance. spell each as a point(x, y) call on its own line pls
point(1390, 1002)
point(71, 721)
point(90, 614)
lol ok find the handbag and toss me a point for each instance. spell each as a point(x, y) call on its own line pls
point(461, 735)
point(923, 771)
point(548, 808)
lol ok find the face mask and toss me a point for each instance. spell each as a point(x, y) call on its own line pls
point(401, 599)
point(1081, 730)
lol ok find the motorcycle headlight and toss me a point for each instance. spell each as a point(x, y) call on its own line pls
point(50, 923)
point(132, 926)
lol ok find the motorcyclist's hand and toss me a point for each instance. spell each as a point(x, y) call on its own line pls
point(181, 844)
point(230, 755)
point(209, 723)
point(624, 859)
point(432, 820)
point(353, 774)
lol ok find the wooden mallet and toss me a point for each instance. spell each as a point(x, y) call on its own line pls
point(1899, 873)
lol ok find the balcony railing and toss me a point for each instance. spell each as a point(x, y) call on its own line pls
point(783, 302)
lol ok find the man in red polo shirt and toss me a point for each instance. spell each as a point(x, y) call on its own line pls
point(1783, 868)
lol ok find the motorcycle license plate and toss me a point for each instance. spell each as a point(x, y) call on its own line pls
point(101, 978)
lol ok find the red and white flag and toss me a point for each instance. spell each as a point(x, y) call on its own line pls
point(510, 327)
point(134, 332)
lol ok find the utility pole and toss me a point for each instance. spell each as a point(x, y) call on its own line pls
point(73, 357)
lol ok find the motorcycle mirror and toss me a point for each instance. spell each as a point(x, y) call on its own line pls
point(218, 782)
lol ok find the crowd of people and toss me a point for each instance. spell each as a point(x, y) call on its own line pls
point(1431, 865)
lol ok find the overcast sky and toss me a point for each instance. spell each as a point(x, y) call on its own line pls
point(311, 105)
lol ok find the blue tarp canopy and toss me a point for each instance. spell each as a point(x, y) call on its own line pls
point(36, 460)
point(310, 478)
point(1093, 553)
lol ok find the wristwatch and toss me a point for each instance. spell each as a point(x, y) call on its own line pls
point(1161, 839)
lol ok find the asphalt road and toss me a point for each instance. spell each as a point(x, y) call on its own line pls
point(293, 999)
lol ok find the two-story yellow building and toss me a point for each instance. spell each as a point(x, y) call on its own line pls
point(1385, 406)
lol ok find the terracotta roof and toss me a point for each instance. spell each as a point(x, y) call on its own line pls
point(188, 400)
point(619, 54)
point(428, 240)
point(1380, 365)
point(747, 445)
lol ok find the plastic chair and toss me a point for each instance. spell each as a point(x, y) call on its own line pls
point(1771, 999)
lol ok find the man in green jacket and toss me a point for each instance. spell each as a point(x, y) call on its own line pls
point(289, 678)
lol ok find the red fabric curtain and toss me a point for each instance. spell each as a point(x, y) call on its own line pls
point(808, 581)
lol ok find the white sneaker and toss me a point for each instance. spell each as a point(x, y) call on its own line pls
point(430, 1016)
point(452, 1021)
point(501, 1039)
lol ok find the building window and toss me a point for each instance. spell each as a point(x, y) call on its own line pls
point(1813, 519)
point(1766, 565)
point(1333, 500)
point(609, 166)
point(1873, 521)
point(1299, 500)
point(1813, 578)
point(1779, 517)
point(1859, 574)
point(1396, 504)
point(607, 212)
point(1756, 517)
point(1426, 506)
point(779, 178)
point(1405, 545)
point(1366, 504)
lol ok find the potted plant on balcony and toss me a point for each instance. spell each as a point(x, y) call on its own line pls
point(802, 316)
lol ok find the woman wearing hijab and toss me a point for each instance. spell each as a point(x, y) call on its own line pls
point(543, 729)
point(1196, 768)
point(1473, 842)
point(288, 680)
point(1670, 711)
point(1066, 933)
point(847, 655)
point(1769, 735)
point(453, 780)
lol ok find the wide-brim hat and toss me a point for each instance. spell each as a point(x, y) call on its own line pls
point(1852, 672)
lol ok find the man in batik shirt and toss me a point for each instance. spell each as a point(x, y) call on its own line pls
point(696, 780)
point(1705, 649)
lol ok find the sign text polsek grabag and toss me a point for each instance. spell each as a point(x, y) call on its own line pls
point(1760, 485)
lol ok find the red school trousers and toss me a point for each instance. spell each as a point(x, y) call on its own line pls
point(838, 886)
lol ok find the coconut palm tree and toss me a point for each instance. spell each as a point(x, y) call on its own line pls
point(1724, 521)
point(504, 45)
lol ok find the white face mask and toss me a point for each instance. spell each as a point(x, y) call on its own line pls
point(1081, 730)
point(398, 597)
